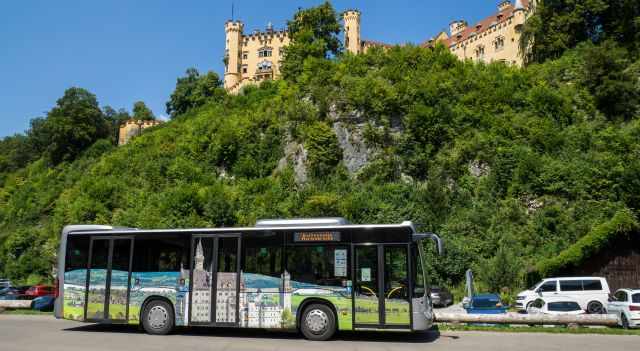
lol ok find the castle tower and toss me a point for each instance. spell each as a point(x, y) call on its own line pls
point(352, 31)
point(519, 15)
point(456, 27)
point(199, 256)
point(233, 31)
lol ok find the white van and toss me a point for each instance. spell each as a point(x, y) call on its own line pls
point(592, 293)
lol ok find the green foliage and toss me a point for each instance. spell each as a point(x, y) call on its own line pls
point(314, 34)
point(511, 166)
point(559, 25)
point(194, 90)
point(501, 271)
point(141, 112)
point(74, 124)
point(324, 153)
point(623, 223)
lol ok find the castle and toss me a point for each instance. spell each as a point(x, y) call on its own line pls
point(494, 38)
point(133, 128)
point(253, 58)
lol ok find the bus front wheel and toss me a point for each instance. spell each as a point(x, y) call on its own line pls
point(157, 318)
point(318, 322)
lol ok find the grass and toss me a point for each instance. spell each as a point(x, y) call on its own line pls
point(539, 329)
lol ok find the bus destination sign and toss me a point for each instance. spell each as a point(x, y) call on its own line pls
point(316, 236)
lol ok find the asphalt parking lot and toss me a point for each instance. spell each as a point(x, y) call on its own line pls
point(31, 333)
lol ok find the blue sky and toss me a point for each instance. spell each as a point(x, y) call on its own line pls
point(129, 50)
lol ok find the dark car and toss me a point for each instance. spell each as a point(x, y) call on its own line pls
point(441, 297)
point(485, 304)
point(43, 303)
point(14, 293)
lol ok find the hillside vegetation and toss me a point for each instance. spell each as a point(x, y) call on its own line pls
point(509, 165)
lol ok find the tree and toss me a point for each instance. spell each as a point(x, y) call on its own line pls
point(314, 33)
point(74, 124)
point(141, 112)
point(558, 25)
point(193, 91)
point(15, 153)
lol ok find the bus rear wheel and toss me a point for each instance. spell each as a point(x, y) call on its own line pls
point(318, 322)
point(157, 318)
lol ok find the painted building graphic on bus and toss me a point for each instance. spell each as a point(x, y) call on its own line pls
point(250, 299)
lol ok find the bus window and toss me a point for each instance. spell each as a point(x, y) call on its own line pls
point(316, 265)
point(75, 276)
point(160, 254)
point(418, 272)
point(263, 256)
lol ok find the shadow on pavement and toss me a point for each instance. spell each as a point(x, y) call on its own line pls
point(369, 336)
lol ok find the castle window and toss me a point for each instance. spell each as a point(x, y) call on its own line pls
point(499, 43)
point(244, 69)
point(480, 53)
point(245, 55)
point(265, 52)
point(264, 66)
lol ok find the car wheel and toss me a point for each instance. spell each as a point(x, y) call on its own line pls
point(595, 307)
point(526, 309)
point(624, 321)
point(157, 318)
point(318, 322)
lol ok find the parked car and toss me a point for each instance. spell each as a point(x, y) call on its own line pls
point(13, 293)
point(625, 303)
point(43, 303)
point(591, 293)
point(5, 283)
point(484, 304)
point(39, 290)
point(441, 297)
point(555, 305)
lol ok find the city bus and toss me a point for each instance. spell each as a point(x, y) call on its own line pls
point(316, 276)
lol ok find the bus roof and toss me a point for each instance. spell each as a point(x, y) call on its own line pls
point(261, 225)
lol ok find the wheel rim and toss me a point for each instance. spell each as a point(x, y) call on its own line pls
point(317, 321)
point(158, 317)
point(625, 322)
point(595, 308)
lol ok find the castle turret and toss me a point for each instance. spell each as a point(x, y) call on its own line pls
point(504, 5)
point(352, 31)
point(519, 15)
point(457, 26)
point(233, 30)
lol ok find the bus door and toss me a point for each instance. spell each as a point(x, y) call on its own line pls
point(381, 287)
point(215, 280)
point(108, 276)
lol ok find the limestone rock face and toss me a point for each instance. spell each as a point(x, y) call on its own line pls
point(295, 154)
point(355, 153)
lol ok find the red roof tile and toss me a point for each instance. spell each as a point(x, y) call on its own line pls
point(481, 26)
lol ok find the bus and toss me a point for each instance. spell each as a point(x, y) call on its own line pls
point(316, 276)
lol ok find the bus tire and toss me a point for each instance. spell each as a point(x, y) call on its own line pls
point(157, 317)
point(318, 322)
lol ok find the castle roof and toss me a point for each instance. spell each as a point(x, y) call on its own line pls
point(484, 25)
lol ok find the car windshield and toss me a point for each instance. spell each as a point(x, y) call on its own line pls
point(635, 298)
point(533, 287)
point(485, 302)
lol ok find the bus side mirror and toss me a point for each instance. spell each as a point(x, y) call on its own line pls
point(432, 236)
point(438, 242)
